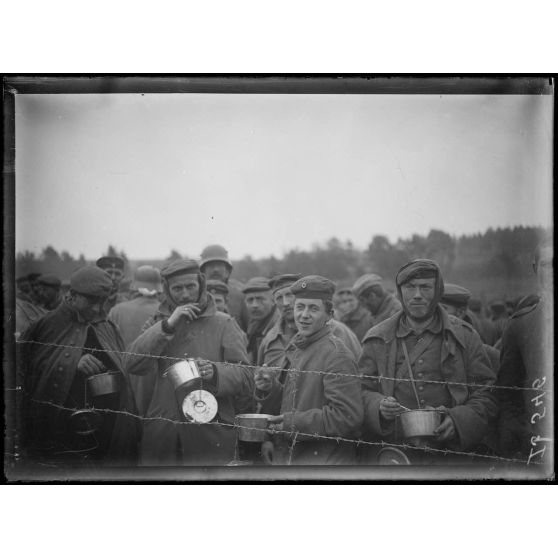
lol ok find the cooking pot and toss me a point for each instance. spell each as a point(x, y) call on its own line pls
point(197, 405)
point(106, 383)
point(252, 427)
point(183, 374)
point(420, 422)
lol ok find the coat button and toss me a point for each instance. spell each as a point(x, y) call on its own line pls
point(60, 369)
point(422, 402)
point(421, 388)
point(420, 375)
point(420, 361)
point(66, 354)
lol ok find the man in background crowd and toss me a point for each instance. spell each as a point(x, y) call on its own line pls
point(215, 264)
point(483, 325)
point(500, 317)
point(220, 292)
point(262, 313)
point(114, 266)
point(130, 316)
point(48, 286)
point(59, 353)
point(375, 298)
point(351, 313)
point(454, 301)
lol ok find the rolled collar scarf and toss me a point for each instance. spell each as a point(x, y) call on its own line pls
point(301, 342)
point(417, 269)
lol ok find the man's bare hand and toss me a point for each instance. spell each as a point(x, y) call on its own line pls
point(446, 430)
point(88, 365)
point(189, 312)
point(264, 379)
point(205, 369)
point(389, 408)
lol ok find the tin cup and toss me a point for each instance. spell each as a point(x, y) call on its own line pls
point(252, 427)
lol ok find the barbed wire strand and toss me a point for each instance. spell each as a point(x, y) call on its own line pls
point(316, 436)
point(292, 370)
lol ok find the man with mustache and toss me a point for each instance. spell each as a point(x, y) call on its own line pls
point(412, 359)
point(186, 324)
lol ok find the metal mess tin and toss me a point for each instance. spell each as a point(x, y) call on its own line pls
point(106, 383)
point(420, 422)
point(252, 427)
point(85, 422)
point(182, 373)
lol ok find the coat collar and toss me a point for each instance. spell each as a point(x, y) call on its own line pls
point(386, 330)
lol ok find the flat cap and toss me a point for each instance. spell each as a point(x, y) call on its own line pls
point(283, 280)
point(455, 294)
point(256, 284)
point(180, 267)
point(147, 277)
point(215, 253)
point(216, 286)
point(49, 280)
point(475, 304)
point(91, 280)
point(365, 282)
point(314, 286)
point(110, 262)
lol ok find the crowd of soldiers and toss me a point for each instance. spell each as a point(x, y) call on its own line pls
point(333, 368)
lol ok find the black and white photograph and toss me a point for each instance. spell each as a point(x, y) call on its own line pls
point(256, 278)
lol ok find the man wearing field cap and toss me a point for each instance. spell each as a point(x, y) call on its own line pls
point(49, 291)
point(59, 352)
point(262, 313)
point(321, 397)
point(372, 295)
point(215, 264)
point(25, 310)
point(114, 266)
point(186, 324)
point(422, 357)
point(219, 290)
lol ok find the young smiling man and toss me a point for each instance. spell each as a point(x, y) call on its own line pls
point(321, 396)
point(422, 357)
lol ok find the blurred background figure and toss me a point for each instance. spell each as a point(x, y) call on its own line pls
point(130, 317)
point(215, 264)
point(114, 266)
point(482, 324)
point(48, 287)
point(375, 298)
point(351, 313)
point(220, 292)
point(26, 311)
point(499, 316)
point(262, 313)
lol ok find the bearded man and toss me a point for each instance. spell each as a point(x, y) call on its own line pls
point(186, 325)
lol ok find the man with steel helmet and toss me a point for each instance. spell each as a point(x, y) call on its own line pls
point(186, 324)
point(59, 353)
point(215, 264)
point(424, 358)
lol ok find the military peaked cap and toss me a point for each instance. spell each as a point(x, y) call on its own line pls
point(314, 286)
point(256, 284)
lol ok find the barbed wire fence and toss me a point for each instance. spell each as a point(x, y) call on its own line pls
point(294, 435)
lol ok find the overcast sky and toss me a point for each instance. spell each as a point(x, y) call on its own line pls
point(262, 174)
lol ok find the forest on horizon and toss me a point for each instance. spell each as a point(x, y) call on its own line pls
point(496, 263)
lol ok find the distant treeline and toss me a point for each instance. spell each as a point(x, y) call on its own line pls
point(495, 263)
